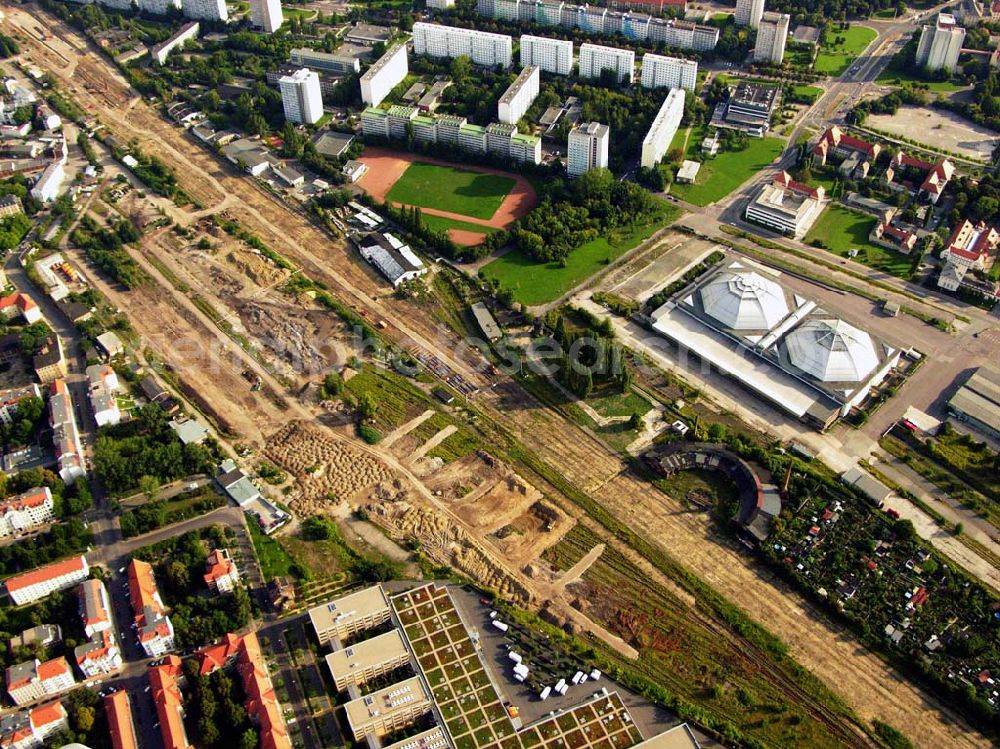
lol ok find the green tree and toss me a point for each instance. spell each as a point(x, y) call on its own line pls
point(249, 739)
point(84, 718)
point(367, 406)
point(150, 486)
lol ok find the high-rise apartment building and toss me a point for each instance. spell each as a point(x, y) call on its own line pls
point(482, 47)
point(266, 15)
point(384, 75)
point(664, 128)
point(771, 36)
point(940, 44)
point(749, 12)
point(158, 7)
point(595, 59)
point(551, 55)
point(587, 148)
point(301, 96)
point(516, 99)
point(208, 10)
point(659, 71)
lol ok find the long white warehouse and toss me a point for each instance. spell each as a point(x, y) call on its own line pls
point(594, 59)
point(384, 75)
point(668, 72)
point(516, 99)
point(664, 128)
point(482, 47)
point(551, 55)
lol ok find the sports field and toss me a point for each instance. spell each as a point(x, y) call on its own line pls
point(834, 59)
point(449, 188)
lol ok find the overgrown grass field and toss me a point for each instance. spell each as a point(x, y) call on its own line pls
point(842, 230)
point(722, 174)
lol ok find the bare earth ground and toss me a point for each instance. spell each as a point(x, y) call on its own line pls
point(938, 127)
point(386, 167)
point(864, 682)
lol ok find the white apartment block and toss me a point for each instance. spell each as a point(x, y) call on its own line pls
point(207, 10)
point(25, 511)
point(221, 573)
point(33, 680)
point(771, 37)
point(98, 656)
point(940, 44)
point(483, 48)
point(659, 71)
point(116, 4)
point(161, 51)
point(587, 148)
point(384, 75)
point(34, 585)
point(266, 15)
point(664, 128)
point(516, 99)
point(749, 12)
point(367, 660)
point(158, 7)
point(594, 59)
point(301, 96)
point(65, 435)
point(551, 55)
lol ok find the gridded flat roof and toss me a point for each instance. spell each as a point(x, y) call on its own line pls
point(395, 698)
point(381, 649)
point(354, 606)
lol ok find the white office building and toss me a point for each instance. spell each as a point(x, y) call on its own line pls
point(516, 99)
point(551, 55)
point(301, 96)
point(384, 75)
point(594, 59)
point(749, 12)
point(664, 128)
point(940, 44)
point(587, 148)
point(659, 71)
point(266, 15)
point(771, 36)
point(483, 48)
point(207, 10)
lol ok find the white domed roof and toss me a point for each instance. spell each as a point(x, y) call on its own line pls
point(832, 351)
point(744, 300)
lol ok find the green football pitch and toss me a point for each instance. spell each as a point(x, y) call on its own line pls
point(448, 188)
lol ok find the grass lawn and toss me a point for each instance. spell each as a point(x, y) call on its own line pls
point(842, 230)
point(810, 93)
point(535, 283)
point(440, 223)
point(898, 78)
point(619, 404)
point(274, 560)
point(835, 59)
point(451, 189)
point(721, 175)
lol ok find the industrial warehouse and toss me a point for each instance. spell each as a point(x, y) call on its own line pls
point(740, 319)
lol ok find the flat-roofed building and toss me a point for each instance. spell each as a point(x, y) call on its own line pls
point(121, 726)
point(551, 55)
point(301, 96)
point(595, 59)
point(786, 206)
point(367, 660)
point(664, 128)
point(941, 44)
point(353, 613)
point(518, 97)
point(388, 710)
point(587, 148)
point(749, 12)
point(328, 62)
point(772, 33)
point(41, 634)
point(678, 737)
point(266, 15)
point(482, 47)
point(207, 10)
point(375, 123)
point(430, 739)
point(977, 402)
point(31, 586)
point(384, 75)
point(659, 71)
point(748, 108)
point(161, 51)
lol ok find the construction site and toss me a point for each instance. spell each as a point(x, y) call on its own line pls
point(538, 525)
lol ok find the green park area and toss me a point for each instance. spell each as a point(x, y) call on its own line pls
point(892, 77)
point(449, 188)
point(535, 283)
point(843, 47)
point(807, 93)
point(840, 230)
point(723, 173)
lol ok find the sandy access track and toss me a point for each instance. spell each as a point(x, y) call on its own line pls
point(385, 167)
point(863, 681)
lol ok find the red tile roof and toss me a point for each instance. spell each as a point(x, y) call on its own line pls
point(49, 572)
point(51, 712)
point(31, 498)
point(142, 589)
point(218, 566)
point(120, 723)
point(216, 656)
point(785, 179)
point(90, 590)
point(22, 301)
point(51, 669)
point(169, 703)
point(261, 701)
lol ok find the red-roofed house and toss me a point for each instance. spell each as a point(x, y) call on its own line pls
point(169, 703)
point(893, 237)
point(835, 141)
point(970, 247)
point(218, 656)
point(33, 680)
point(935, 176)
point(94, 607)
point(120, 723)
point(20, 305)
point(221, 574)
point(30, 729)
point(153, 627)
point(27, 510)
point(100, 655)
point(261, 704)
point(39, 583)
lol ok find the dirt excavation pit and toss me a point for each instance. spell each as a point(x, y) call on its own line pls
point(326, 470)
